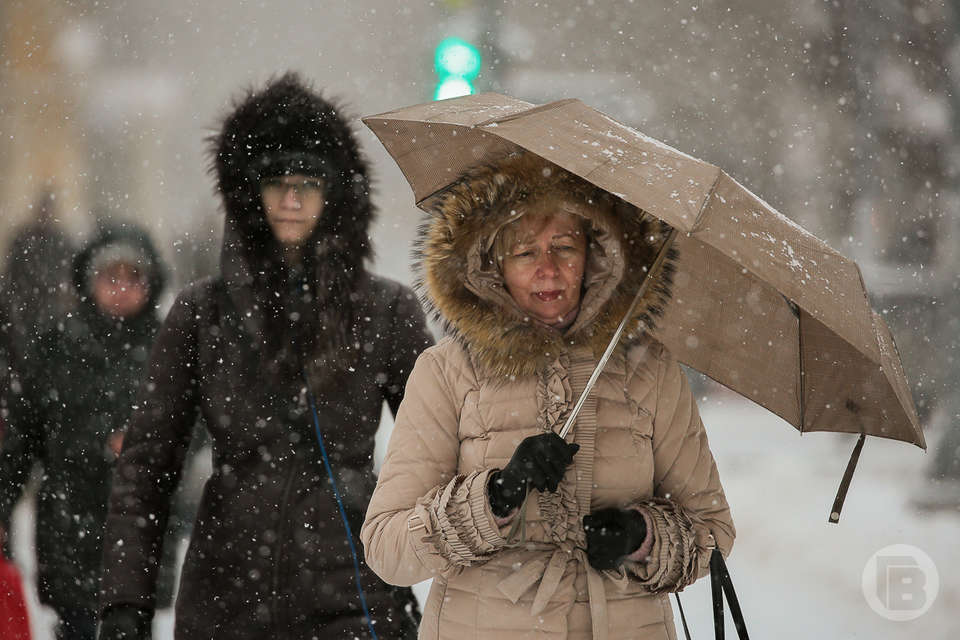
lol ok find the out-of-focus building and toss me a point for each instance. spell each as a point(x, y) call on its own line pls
point(43, 147)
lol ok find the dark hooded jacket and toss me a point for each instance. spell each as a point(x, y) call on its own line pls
point(248, 351)
point(68, 395)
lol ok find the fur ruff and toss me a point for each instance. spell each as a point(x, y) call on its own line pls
point(500, 341)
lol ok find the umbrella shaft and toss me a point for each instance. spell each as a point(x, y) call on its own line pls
point(657, 263)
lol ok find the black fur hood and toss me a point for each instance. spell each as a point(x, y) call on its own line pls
point(300, 314)
point(287, 127)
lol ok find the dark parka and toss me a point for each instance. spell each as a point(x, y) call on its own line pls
point(269, 556)
point(73, 390)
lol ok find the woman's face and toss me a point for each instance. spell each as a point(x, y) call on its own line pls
point(543, 266)
point(293, 205)
point(120, 290)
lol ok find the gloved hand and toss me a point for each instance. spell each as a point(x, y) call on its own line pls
point(125, 622)
point(612, 534)
point(538, 461)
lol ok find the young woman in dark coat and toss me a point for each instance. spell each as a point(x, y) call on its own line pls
point(66, 408)
point(288, 357)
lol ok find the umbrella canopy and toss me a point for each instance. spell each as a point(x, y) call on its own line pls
point(759, 304)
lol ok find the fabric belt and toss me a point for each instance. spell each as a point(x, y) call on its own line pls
point(549, 573)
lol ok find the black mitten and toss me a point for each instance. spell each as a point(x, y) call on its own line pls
point(612, 534)
point(538, 461)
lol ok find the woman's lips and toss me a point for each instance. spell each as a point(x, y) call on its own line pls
point(548, 296)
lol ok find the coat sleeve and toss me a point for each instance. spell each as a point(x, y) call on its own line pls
point(150, 464)
point(425, 518)
point(409, 337)
point(688, 511)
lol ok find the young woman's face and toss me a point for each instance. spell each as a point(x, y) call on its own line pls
point(543, 266)
point(120, 290)
point(293, 205)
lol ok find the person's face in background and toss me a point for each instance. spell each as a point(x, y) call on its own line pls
point(293, 205)
point(120, 290)
point(543, 266)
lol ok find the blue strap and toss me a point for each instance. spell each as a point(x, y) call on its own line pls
point(343, 514)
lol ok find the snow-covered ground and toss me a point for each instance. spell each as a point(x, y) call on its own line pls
point(796, 575)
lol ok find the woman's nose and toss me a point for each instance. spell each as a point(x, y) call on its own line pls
point(548, 265)
point(291, 199)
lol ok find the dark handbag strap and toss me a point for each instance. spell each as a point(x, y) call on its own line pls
point(720, 585)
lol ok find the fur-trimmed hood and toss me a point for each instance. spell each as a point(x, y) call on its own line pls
point(463, 288)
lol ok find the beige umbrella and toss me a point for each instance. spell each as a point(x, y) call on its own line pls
point(759, 304)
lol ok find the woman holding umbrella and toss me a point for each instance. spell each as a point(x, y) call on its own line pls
point(532, 269)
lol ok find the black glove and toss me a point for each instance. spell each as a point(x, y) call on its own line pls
point(612, 534)
point(125, 622)
point(539, 461)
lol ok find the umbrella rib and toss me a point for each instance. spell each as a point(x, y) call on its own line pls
point(802, 374)
point(706, 201)
point(526, 112)
point(873, 325)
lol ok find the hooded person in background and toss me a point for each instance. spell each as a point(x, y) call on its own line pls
point(67, 405)
point(35, 292)
point(288, 356)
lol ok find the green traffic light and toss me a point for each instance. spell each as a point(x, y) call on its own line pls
point(456, 57)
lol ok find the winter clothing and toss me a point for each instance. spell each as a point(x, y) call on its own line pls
point(67, 398)
point(502, 377)
point(125, 622)
point(269, 557)
point(6, 365)
point(34, 289)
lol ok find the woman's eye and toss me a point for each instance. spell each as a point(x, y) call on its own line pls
point(523, 254)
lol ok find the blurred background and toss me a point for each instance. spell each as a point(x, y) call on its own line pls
point(845, 116)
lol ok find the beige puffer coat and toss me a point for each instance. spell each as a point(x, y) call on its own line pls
point(499, 378)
